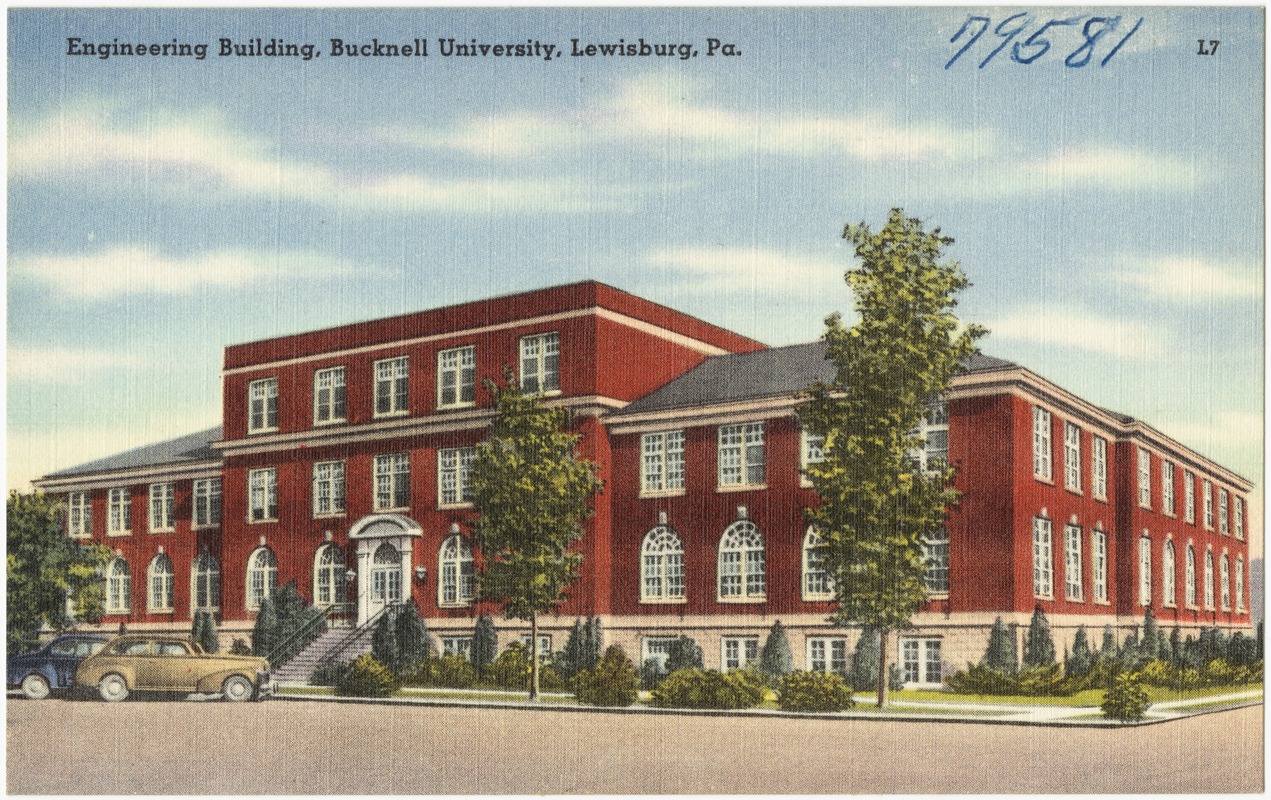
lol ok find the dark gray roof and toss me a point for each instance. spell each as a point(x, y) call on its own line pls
point(190, 448)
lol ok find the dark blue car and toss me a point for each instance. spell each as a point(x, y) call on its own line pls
point(52, 667)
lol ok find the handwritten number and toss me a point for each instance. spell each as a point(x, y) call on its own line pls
point(983, 27)
point(1008, 34)
point(1109, 23)
point(1124, 39)
point(1039, 43)
point(1033, 41)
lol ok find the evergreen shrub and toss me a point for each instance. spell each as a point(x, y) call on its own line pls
point(708, 688)
point(1127, 700)
point(485, 643)
point(1000, 655)
point(239, 648)
point(327, 673)
point(814, 691)
point(366, 677)
point(511, 670)
point(776, 659)
point(651, 673)
point(683, 653)
point(448, 671)
point(612, 682)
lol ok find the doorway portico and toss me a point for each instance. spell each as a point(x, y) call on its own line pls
point(385, 544)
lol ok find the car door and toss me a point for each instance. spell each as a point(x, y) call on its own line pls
point(63, 658)
point(174, 666)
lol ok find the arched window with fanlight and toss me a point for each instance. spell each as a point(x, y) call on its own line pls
point(1224, 578)
point(662, 566)
point(386, 574)
point(1189, 577)
point(742, 572)
point(159, 595)
point(816, 580)
point(262, 576)
point(1209, 579)
point(118, 586)
point(456, 587)
point(1167, 573)
point(329, 572)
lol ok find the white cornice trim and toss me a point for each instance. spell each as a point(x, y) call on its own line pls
point(129, 477)
point(714, 414)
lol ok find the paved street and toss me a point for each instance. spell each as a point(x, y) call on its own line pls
point(87, 747)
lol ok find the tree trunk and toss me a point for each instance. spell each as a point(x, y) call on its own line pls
point(534, 656)
point(882, 667)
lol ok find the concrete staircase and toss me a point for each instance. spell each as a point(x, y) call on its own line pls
point(298, 669)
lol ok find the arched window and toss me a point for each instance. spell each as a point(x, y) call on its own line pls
point(455, 568)
point(159, 597)
point(661, 566)
point(1189, 576)
point(1209, 579)
point(1145, 571)
point(741, 573)
point(206, 576)
point(262, 576)
point(935, 554)
point(118, 587)
point(386, 574)
point(816, 581)
point(1224, 576)
point(328, 575)
point(1167, 574)
point(1240, 582)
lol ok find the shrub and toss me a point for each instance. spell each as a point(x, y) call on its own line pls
point(1218, 673)
point(1000, 655)
point(776, 659)
point(698, 688)
point(384, 641)
point(1159, 673)
point(264, 629)
point(612, 682)
point(448, 671)
point(1041, 681)
point(1081, 661)
point(366, 677)
point(204, 631)
point(864, 674)
point(1039, 647)
point(414, 643)
point(651, 673)
point(485, 643)
point(814, 691)
point(683, 653)
point(1127, 699)
point(239, 648)
point(982, 680)
point(511, 670)
point(327, 673)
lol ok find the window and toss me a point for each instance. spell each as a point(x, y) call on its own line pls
point(457, 377)
point(656, 649)
point(540, 363)
point(454, 469)
point(79, 515)
point(119, 503)
point(1168, 596)
point(1167, 488)
point(329, 575)
point(661, 567)
point(118, 587)
point(738, 651)
point(1099, 541)
point(816, 580)
point(328, 396)
point(1189, 497)
point(161, 511)
point(1099, 467)
point(920, 662)
point(392, 387)
point(1224, 580)
point(328, 488)
point(262, 405)
point(262, 487)
point(1240, 583)
point(456, 587)
point(741, 563)
point(1145, 571)
point(827, 655)
point(1043, 558)
point(206, 577)
point(1072, 562)
point(741, 455)
point(1072, 456)
point(935, 555)
point(811, 451)
point(262, 576)
point(663, 462)
point(456, 646)
point(1238, 518)
point(1189, 577)
point(1209, 579)
point(207, 502)
point(1041, 444)
point(161, 579)
point(386, 574)
point(392, 481)
point(1223, 524)
point(934, 431)
point(1208, 500)
point(544, 646)
point(1145, 478)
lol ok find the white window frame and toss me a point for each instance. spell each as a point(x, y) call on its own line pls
point(1240, 583)
point(917, 668)
point(741, 573)
point(1224, 577)
point(657, 649)
point(457, 376)
point(811, 451)
point(205, 582)
point(391, 394)
point(386, 574)
point(1145, 478)
point(933, 429)
point(262, 494)
point(736, 652)
point(1168, 504)
point(160, 585)
point(79, 515)
point(1224, 525)
point(207, 503)
point(1238, 517)
point(329, 498)
point(1072, 456)
point(1169, 568)
point(1099, 565)
point(1074, 581)
point(118, 598)
point(454, 476)
point(329, 575)
point(1043, 559)
point(1145, 570)
point(544, 646)
point(741, 456)
point(1042, 447)
point(456, 578)
point(935, 556)
point(1209, 579)
point(1208, 502)
point(662, 463)
point(262, 577)
point(540, 363)
point(1099, 467)
point(262, 405)
point(817, 585)
point(827, 654)
point(460, 646)
point(1189, 497)
point(662, 566)
point(1189, 577)
point(119, 512)
point(329, 396)
point(392, 481)
point(162, 506)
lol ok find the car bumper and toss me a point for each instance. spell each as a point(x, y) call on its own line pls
point(265, 688)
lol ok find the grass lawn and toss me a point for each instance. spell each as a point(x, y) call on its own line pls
point(1159, 695)
point(1090, 697)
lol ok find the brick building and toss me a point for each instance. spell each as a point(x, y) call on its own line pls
point(342, 462)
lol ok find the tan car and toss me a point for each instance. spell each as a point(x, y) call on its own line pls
point(139, 662)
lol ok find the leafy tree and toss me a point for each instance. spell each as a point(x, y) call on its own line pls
point(485, 643)
point(683, 653)
point(45, 567)
point(1039, 647)
point(1081, 660)
point(776, 658)
point(532, 494)
point(865, 660)
point(414, 643)
point(265, 629)
point(1000, 655)
point(204, 631)
point(877, 504)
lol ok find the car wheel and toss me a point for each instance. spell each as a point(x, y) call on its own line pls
point(35, 686)
point(236, 689)
point(113, 688)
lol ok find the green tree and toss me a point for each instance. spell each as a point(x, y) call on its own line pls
point(877, 504)
point(384, 641)
point(1081, 661)
point(532, 494)
point(414, 643)
point(1108, 651)
point(865, 660)
point(265, 628)
point(776, 659)
point(683, 653)
point(1152, 637)
point(45, 568)
point(1039, 647)
point(485, 643)
point(204, 631)
point(1000, 656)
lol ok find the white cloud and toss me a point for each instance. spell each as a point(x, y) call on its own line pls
point(1071, 329)
point(133, 270)
point(61, 364)
point(735, 268)
point(1083, 168)
point(1229, 429)
point(1188, 280)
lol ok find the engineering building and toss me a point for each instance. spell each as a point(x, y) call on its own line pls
point(343, 458)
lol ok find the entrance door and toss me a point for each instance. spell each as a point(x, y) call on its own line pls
point(385, 579)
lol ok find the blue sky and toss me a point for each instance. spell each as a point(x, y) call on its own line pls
point(1110, 217)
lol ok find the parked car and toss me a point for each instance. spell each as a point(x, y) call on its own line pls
point(52, 667)
point(139, 662)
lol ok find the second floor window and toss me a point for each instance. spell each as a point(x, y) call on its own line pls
point(328, 395)
point(262, 490)
point(816, 579)
point(392, 481)
point(742, 572)
point(161, 512)
point(661, 566)
point(118, 586)
point(1043, 558)
point(79, 515)
point(207, 502)
point(457, 586)
point(1145, 571)
point(120, 511)
point(1099, 542)
point(1238, 517)
point(392, 392)
point(540, 363)
point(262, 405)
point(454, 469)
point(328, 488)
point(456, 377)
point(935, 555)
point(662, 456)
point(207, 581)
point(1072, 562)
point(741, 455)
point(1072, 456)
point(1189, 577)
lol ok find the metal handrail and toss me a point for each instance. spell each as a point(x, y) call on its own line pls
point(315, 621)
point(357, 632)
